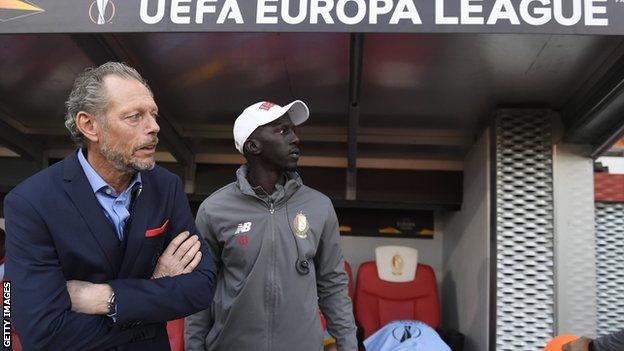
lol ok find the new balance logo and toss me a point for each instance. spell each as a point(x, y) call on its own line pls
point(243, 228)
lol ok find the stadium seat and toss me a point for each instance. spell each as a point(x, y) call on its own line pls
point(379, 302)
point(16, 344)
point(350, 276)
point(175, 330)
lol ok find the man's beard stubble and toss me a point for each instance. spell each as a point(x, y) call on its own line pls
point(133, 165)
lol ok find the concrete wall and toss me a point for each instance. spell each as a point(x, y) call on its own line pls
point(575, 261)
point(466, 261)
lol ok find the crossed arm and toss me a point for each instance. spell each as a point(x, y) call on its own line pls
point(181, 256)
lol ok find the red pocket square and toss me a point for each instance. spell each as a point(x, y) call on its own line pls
point(156, 231)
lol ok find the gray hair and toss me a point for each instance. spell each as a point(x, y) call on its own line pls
point(88, 95)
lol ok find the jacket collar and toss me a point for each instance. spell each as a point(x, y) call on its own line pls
point(77, 186)
point(282, 192)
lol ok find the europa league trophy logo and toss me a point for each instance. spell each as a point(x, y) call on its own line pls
point(103, 12)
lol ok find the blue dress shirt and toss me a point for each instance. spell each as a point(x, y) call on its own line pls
point(116, 206)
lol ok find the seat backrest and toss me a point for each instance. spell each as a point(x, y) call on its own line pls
point(396, 263)
point(350, 276)
point(379, 302)
point(16, 344)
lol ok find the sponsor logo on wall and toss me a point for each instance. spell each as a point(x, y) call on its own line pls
point(101, 11)
point(14, 9)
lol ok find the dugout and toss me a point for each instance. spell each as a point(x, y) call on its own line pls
point(466, 130)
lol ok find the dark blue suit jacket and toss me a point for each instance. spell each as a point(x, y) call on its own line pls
point(57, 231)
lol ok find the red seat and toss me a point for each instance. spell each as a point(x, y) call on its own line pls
point(323, 320)
point(16, 344)
point(350, 276)
point(175, 330)
point(378, 302)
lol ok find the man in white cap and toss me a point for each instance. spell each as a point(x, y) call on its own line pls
point(277, 248)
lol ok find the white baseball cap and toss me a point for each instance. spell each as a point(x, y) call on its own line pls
point(265, 112)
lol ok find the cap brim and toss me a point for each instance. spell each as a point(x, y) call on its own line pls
point(297, 111)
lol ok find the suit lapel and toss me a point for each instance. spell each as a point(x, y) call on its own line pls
point(136, 231)
point(77, 186)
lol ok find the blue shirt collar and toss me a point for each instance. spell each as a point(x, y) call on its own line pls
point(96, 182)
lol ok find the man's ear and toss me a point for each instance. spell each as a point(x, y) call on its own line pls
point(252, 147)
point(89, 126)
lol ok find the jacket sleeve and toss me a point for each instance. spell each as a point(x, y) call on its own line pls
point(41, 306)
point(163, 299)
point(610, 342)
point(204, 227)
point(196, 326)
point(332, 285)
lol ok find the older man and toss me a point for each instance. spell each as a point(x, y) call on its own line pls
point(100, 246)
point(277, 245)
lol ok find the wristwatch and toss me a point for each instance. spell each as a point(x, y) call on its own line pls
point(112, 306)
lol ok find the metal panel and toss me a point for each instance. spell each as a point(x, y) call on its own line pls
point(524, 225)
point(412, 82)
point(610, 266)
point(211, 78)
point(34, 89)
point(416, 75)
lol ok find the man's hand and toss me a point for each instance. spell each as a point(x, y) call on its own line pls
point(180, 257)
point(89, 298)
point(580, 344)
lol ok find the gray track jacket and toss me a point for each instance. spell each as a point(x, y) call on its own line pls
point(261, 301)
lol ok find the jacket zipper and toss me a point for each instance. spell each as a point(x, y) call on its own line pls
point(271, 278)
